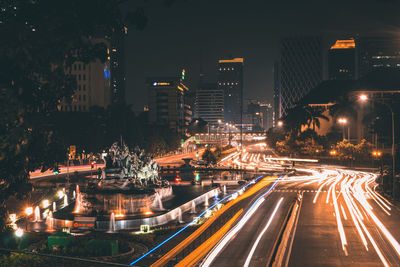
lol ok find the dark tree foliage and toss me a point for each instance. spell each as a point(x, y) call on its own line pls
point(40, 41)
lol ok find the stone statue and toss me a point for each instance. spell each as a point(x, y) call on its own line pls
point(123, 164)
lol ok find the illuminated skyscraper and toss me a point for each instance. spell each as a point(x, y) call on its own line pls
point(377, 52)
point(342, 60)
point(168, 103)
point(230, 80)
point(210, 103)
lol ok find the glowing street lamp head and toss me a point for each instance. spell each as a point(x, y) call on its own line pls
point(363, 97)
point(342, 120)
point(19, 232)
point(280, 123)
point(29, 211)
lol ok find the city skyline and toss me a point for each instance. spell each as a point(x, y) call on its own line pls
point(255, 37)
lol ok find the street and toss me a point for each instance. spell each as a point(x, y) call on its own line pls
point(342, 221)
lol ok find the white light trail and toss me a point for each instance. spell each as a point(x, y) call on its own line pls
point(253, 249)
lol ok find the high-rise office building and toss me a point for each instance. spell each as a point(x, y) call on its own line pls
point(168, 103)
point(342, 60)
point(116, 54)
point(93, 84)
point(301, 68)
point(377, 52)
point(209, 103)
point(230, 80)
point(276, 114)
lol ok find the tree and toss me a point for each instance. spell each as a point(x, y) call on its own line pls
point(41, 40)
point(314, 115)
point(209, 156)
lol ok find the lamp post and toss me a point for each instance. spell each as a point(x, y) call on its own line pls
point(364, 98)
point(343, 122)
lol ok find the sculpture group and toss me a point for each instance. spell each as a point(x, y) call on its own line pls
point(127, 167)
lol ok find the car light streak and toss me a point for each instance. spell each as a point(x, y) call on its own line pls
point(224, 241)
point(249, 257)
point(191, 223)
point(339, 221)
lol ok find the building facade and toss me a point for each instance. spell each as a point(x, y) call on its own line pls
point(377, 52)
point(93, 83)
point(277, 96)
point(300, 68)
point(168, 103)
point(116, 56)
point(209, 103)
point(342, 60)
point(230, 81)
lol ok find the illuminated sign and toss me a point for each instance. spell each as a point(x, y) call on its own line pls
point(83, 225)
point(183, 74)
point(161, 84)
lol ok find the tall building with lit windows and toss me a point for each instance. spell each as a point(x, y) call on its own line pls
point(377, 52)
point(209, 103)
point(300, 68)
point(230, 81)
point(168, 102)
point(93, 84)
point(117, 66)
point(342, 60)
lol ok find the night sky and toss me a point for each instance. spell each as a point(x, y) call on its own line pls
point(194, 33)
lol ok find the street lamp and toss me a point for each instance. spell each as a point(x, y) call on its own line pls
point(364, 98)
point(280, 123)
point(343, 122)
point(377, 155)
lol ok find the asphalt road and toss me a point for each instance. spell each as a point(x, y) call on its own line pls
point(343, 221)
point(239, 248)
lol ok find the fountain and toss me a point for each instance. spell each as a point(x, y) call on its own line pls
point(157, 202)
point(50, 222)
point(224, 190)
point(180, 215)
point(65, 200)
point(111, 228)
point(78, 203)
point(193, 209)
point(37, 214)
point(206, 201)
point(54, 206)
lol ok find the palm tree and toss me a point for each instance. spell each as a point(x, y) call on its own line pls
point(315, 114)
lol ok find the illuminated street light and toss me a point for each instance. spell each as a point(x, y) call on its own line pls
point(45, 203)
point(332, 152)
point(19, 232)
point(363, 97)
point(376, 153)
point(280, 123)
point(29, 211)
point(343, 122)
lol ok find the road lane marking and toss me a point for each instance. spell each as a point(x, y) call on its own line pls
point(253, 249)
point(195, 256)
